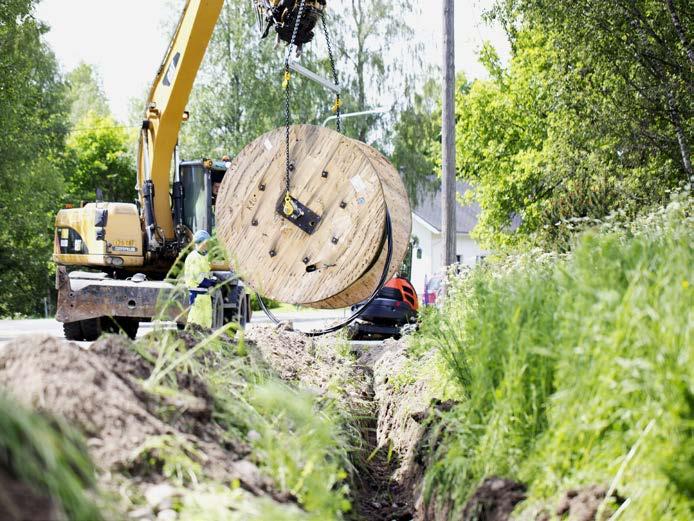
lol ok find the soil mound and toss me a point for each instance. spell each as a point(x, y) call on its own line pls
point(312, 363)
point(63, 379)
point(494, 500)
point(99, 392)
point(583, 504)
point(188, 410)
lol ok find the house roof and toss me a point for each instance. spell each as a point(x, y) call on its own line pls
point(429, 210)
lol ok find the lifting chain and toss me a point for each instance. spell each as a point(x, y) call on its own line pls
point(289, 207)
point(288, 204)
point(338, 102)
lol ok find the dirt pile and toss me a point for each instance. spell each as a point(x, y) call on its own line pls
point(45, 374)
point(494, 500)
point(19, 502)
point(320, 365)
point(583, 504)
point(101, 392)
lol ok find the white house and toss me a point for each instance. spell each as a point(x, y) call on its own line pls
point(428, 242)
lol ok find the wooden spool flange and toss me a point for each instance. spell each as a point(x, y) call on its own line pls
point(348, 185)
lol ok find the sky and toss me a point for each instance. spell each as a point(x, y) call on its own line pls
point(126, 39)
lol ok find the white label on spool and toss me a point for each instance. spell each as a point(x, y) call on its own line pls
point(268, 145)
point(358, 184)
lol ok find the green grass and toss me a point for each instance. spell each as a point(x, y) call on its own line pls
point(299, 440)
point(576, 370)
point(50, 457)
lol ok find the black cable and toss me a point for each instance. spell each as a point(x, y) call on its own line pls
point(360, 311)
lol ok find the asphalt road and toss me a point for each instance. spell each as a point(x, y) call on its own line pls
point(304, 320)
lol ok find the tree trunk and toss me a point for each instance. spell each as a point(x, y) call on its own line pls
point(681, 137)
point(679, 29)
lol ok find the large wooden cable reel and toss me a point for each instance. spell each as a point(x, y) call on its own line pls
point(334, 254)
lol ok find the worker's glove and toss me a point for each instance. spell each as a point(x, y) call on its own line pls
point(207, 283)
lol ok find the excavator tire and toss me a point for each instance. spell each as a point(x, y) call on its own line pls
point(73, 331)
point(130, 326)
point(91, 329)
point(238, 295)
point(116, 325)
point(217, 310)
point(242, 315)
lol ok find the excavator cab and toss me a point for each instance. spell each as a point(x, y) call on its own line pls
point(200, 182)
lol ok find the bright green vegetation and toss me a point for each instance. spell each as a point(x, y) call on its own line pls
point(575, 370)
point(97, 156)
point(32, 130)
point(47, 456)
point(593, 113)
point(299, 440)
point(58, 143)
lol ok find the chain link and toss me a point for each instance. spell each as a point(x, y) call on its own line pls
point(287, 108)
point(338, 101)
point(288, 204)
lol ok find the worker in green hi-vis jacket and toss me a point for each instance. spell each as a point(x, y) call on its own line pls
point(198, 280)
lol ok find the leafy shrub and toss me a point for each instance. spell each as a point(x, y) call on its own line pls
point(269, 303)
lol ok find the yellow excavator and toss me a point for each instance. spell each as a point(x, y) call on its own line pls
point(112, 257)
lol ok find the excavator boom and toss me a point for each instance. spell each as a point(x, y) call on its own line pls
point(164, 113)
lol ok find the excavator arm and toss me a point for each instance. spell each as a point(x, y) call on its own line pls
point(164, 113)
point(168, 96)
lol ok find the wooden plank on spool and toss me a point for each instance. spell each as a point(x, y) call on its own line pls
point(272, 254)
point(398, 205)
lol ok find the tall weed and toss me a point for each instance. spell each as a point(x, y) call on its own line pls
point(562, 362)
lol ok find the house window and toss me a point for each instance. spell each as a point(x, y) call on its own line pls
point(459, 258)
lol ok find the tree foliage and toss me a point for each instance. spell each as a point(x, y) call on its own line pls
point(85, 93)
point(638, 53)
point(238, 93)
point(416, 134)
point(33, 124)
point(380, 60)
point(98, 156)
point(38, 169)
point(590, 116)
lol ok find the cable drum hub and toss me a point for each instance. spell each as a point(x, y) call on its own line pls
point(332, 252)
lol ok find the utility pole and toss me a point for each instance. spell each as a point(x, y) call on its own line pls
point(448, 204)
